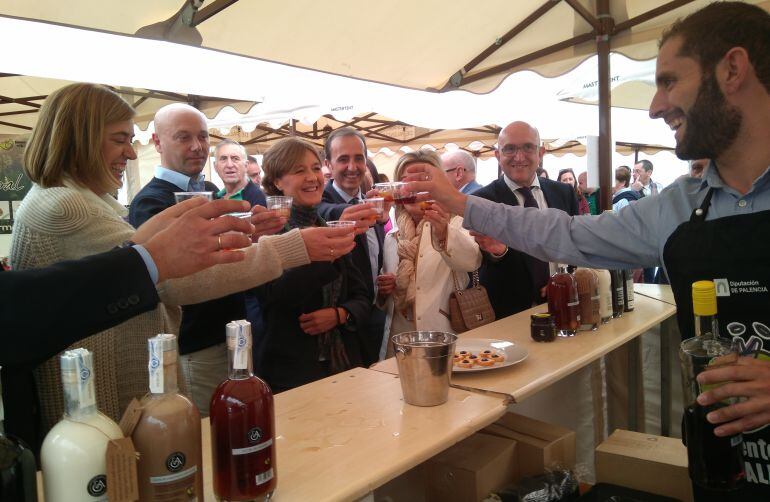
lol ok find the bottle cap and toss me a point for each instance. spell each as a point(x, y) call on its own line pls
point(77, 369)
point(239, 341)
point(704, 298)
point(163, 341)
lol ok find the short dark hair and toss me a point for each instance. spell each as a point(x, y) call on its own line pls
point(646, 165)
point(710, 32)
point(252, 159)
point(341, 133)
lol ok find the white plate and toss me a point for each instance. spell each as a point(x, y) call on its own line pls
point(513, 353)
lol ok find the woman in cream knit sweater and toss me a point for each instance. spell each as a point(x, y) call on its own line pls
point(76, 157)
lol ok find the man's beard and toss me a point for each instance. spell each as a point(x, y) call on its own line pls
point(711, 125)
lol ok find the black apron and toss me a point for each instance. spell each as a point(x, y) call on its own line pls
point(734, 252)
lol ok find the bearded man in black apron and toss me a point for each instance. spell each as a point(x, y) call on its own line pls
point(713, 90)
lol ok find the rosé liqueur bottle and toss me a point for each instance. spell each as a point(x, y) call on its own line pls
point(563, 302)
point(17, 466)
point(168, 434)
point(242, 426)
point(73, 452)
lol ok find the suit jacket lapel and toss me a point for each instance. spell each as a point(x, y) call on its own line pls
point(548, 195)
point(504, 193)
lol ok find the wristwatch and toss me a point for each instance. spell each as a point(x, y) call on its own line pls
point(344, 320)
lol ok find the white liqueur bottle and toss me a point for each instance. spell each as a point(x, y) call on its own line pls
point(73, 453)
point(168, 434)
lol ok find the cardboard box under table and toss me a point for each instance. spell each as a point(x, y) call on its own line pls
point(540, 446)
point(653, 464)
point(471, 469)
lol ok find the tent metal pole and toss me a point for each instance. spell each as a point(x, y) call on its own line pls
point(605, 125)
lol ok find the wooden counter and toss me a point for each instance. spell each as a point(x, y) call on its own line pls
point(549, 362)
point(341, 437)
point(660, 292)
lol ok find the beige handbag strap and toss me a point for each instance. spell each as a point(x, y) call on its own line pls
point(474, 284)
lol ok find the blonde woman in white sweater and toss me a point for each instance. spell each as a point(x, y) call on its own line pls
point(421, 259)
point(76, 157)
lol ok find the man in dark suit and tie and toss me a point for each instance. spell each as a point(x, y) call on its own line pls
point(345, 155)
point(514, 280)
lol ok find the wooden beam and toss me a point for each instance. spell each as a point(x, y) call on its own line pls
point(503, 67)
point(584, 13)
point(140, 101)
point(458, 79)
point(9, 124)
point(605, 117)
point(20, 112)
point(27, 101)
point(211, 10)
point(650, 14)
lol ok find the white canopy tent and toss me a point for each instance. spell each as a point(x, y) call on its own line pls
point(419, 45)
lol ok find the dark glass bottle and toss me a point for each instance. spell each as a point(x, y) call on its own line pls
point(563, 302)
point(242, 426)
point(617, 282)
point(18, 480)
point(628, 290)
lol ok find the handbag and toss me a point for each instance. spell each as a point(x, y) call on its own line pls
point(469, 308)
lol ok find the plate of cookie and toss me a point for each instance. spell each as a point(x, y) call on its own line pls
point(481, 354)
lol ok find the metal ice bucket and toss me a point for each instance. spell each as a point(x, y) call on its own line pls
point(424, 365)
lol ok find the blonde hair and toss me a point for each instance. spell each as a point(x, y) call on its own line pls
point(427, 156)
point(67, 138)
point(280, 158)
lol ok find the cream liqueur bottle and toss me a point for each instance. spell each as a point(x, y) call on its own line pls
point(73, 453)
point(168, 434)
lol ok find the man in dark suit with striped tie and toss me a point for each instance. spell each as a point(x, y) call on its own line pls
point(514, 280)
point(345, 155)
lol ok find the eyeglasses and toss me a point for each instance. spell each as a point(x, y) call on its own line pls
point(450, 170)
point(510, 149)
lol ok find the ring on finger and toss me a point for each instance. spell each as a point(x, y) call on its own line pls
point(219, 242)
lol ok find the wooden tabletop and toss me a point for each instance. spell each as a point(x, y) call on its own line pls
point(341, 437)
point(660, 292)
point(549, 362)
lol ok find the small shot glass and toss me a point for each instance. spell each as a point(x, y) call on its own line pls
point(280, 204)
point(385, 190)
point(183, 196)
point(340, 223)
point(401, 194)
point(244, 216)
point(378, 204)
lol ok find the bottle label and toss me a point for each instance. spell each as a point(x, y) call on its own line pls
point(265, 476)
point(254, 448)
point(240, 355)
point(97, 486)
point(170, 478)
point(156, 365)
